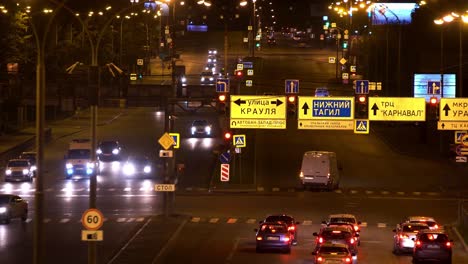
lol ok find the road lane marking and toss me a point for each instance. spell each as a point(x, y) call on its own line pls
point(260, 189)
point(251, 221)
point(47, 220)
point(371, 241)
point(353, 191)
point(381, 225)
point(64, 220)
point(417, 193)
point(140, 219)
point(120, 220)
point(385, 192)
point(369, 192)
point(338, 191)
point(233, 250)
point(363, 224)
point(214, 220)
point(401, 193)
point(231, 220)
point(195, 219)
point(169, 242)
point(307, 222)
point(276, 189)
point(129, 241)
point(130, 220)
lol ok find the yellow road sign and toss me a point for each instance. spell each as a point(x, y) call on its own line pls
point(326, 108)
point(397, 109)
point(326, 124)
point(166, 141)
point(258, 123)
point(176, 138)
point(92, 235)
point(258, 107)
point(92, 219)
point(453, 109)
point(447, 125)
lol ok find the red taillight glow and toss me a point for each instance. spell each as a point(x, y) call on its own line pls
point(291, 228)
point(418, 243)
point(347, 260)
point(259, 238)
point(320, 240)
point(436, 227)
point(320, 259)
point(286, 239)
point(403, 236)
point(351, 241)
point(448, 244)
point(356, 228)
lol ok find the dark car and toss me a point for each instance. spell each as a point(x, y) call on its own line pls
point(207, 78)
point(432, 245)
point(337, 234)
point(288, 220)
point(271, 41)
point(31, 157)
point(12, 206)
point(273, 235)
point(138, 166)
point(109, 151)
point(200, 127)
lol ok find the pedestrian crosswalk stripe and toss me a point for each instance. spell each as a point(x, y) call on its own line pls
point(361, 126)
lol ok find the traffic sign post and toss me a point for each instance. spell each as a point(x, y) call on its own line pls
point(251, 111)
point(397, 109)
point(224, 172)
point(92, 235)
point(92, 219)
point(239, 141)
point(361, 126)
point(225, 157)
point(164, 187)
point(291, 86)
point(336, 108)
point(453, 109)
point(222, 85)
point(176, 138)
point(362, 87)
point(433, 87)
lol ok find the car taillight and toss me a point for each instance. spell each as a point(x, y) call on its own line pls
point(436, 227)
point(348, 260)
point(351, 241)
point(356, 228)
point(448, 244)
point(291, 228)
point(418, 243)
point(320, 240)
point(320, 259)
point(403, 236)
point(259, 238)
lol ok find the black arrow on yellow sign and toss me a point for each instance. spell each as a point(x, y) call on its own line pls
point(278, 102)
point(446, 109)
point(375, 108)
point(305, 107)
point(239, 102)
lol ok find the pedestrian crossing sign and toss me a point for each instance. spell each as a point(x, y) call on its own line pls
point(239, 141)
point(361, 126)
point(458, 136)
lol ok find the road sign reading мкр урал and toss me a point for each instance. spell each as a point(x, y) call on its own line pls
point(325, 108)
point(397, 109)
point(453, 109)
point(258, 111)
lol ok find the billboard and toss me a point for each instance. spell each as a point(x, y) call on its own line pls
point(391, 13)
point(424, 82)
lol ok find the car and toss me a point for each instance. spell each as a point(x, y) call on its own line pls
point(211, 59)
point(31, 156)
point(430, 221)
point(12, 206)
point(319, 169)
point(200, 127)
point(109, 150)
point(207, 78)
point(404, 235)
point(288, 220)
point(336, 234)
point(210, 67)
point(138, 165)
point(271, 41)
point(432, 245)
point(273, 235)
point(322, 92)
point(212, 51)
point(19, 170)
point(343, 218)
point(183, 80)
point(333, 253)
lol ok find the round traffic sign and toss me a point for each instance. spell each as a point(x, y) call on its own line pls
point(92, 219)
point(464, 140)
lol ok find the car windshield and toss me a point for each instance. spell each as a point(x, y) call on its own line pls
point(28, 156)
point(138, 160)
point(429, 223)
point(335, 234)
point(18, 163)
point(342, 220)
point(79, 154)
point(4, 199)
point(325, 249)
point(276, 218)
point(433, 237)
point(207, 74)
point(414, 228)
point(273, 229)
point(108, 145)
point(200, 123)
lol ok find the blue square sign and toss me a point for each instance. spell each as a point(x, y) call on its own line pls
point(291, 86)
point(222, 85)
point(362, 87)
point(433, 87)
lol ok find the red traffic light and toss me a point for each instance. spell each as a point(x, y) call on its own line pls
point(433, 100)
point(292, 99)
point(227, 135)
point(362, 99)
point(239, 73)
point(222, 97)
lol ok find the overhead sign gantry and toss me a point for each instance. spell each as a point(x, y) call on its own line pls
point(258, 111)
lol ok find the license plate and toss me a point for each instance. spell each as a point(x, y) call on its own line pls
point(272, 238)
point(432, 246)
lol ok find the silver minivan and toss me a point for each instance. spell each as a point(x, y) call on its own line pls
point(320, 169)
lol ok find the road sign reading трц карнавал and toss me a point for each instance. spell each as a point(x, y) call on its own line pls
point(397, 109)
point(325, 108)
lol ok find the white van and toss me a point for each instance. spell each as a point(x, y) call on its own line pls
point(319, 169)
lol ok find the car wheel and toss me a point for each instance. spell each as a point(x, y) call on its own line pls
point(396, 249)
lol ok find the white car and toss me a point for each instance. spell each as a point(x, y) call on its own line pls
point(200, 128)
point(428, 220)
point(212, 51)
point(19, 170)
point(349, 219)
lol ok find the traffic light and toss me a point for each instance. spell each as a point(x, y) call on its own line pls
point(361, 106)
point(433, 101)
point(292, 105)
point(257, 44)
point(222, 103)
point(345, 44)
point(239, 74)
point(434, 106)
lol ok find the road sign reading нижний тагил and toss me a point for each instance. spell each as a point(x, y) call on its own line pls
point(397, 109)
point(325, 108)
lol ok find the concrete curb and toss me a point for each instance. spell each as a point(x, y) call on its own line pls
point(460, 238)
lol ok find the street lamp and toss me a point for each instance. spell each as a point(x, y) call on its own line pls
point(462, 19)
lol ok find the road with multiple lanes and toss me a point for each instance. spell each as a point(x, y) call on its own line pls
point(213, 222)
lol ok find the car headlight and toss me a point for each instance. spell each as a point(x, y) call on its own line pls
point(214, 60)
point(129, 169)
point(147, 169)
point(211, 78)
point(202, 79)
point(25, 171)
point(183, 79)
point(193, 130)
point(99, 151)
point(3, 210)
point(69, 166)
point(209, 60)
point(33, 168)
point(8, 172)
point(206, 68)
point(213, 69)
point(115, 151)
point(208, 129)
point(90, 165)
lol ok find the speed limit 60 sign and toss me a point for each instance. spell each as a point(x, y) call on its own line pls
point(92, 219)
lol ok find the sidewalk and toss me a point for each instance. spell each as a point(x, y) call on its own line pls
point(10, 144)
